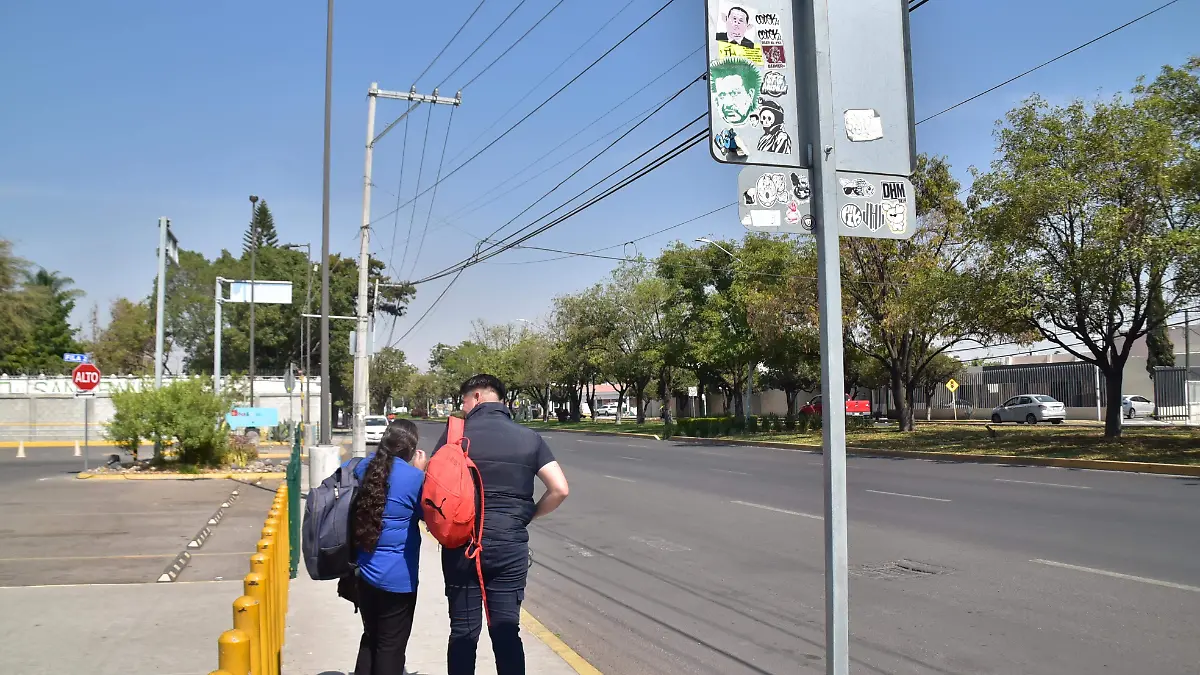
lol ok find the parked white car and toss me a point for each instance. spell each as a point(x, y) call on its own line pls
point(375, 426)
point(607, 410)
point(1136, 406)
point(1030, 409)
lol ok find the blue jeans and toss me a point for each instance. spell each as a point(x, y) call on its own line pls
point(466, 621)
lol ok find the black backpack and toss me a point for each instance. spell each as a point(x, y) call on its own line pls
point(327, 542)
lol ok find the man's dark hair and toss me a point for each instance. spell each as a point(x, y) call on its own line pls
point(739, 9)
point(482, 381)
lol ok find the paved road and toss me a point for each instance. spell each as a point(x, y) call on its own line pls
point(676, 559)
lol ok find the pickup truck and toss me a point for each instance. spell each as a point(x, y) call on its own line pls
point(860, 408)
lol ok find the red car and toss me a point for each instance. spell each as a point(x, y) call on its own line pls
point(813, 407)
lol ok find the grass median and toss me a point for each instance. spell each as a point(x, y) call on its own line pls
point(1167, 445)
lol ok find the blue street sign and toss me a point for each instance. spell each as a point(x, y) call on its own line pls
point(240, 418)
point(76, 358)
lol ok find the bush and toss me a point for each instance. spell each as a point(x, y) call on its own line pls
point(814, 421)
point(668, 430)
point(738, 424)
point(704, 427)
point(185, 414)
point(859, 423)
point(240, 450)
point(777, 424)
point(752, 424)
point(789, 423)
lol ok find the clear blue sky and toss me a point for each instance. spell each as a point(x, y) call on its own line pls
point(117, 113)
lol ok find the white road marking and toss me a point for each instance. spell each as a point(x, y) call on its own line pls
point(588, 440)
point(1118, 575)
point(578, 549)
point(1032, 482)
point(776, 510)
point(740, 473)
point(632, 459)
point(627, 480)
point(661, 544)
point(901, 494)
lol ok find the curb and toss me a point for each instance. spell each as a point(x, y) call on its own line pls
point(280, 475)
point(54, 444)
point(601, 433)
point(171, 573)
point(206, 531)
point(1060, 462)
point(573, 659)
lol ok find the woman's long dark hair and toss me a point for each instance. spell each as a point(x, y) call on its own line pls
point(399, 441)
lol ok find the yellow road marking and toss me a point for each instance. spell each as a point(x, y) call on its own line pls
point(577, 662)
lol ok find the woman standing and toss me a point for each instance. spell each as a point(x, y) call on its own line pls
point(389, 547)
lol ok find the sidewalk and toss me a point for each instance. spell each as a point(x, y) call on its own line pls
point(323, 631)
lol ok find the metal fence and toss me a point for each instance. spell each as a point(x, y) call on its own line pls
point(1078, 385)
point(1176, 393)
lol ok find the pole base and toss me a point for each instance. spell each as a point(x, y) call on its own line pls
point(323, 460)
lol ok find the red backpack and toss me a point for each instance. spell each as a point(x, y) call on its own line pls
point(452, 482)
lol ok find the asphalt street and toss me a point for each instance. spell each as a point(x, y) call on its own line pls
point(670, 558)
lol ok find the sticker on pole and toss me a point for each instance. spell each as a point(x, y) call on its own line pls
point(775, 199)
point(880, 207)
point(752, 86)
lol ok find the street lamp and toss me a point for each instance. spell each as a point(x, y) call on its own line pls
point(253, 255)
point(306, 328)
point(749, 366)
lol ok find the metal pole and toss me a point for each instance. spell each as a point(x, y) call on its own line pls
point(162, 294)
point(217, 326)
point(85, 436)
point(326, 400)
point(818, 114)
point(253, 255)
point(1099, 411)
point(1187, 363)
point(749, 386)
point(361, 363)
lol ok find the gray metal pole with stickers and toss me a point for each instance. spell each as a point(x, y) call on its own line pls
point(814, 99)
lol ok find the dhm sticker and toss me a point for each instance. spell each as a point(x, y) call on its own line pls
point(893, 190)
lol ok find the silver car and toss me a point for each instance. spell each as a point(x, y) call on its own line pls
point(1030, 409)
point(1136, 406)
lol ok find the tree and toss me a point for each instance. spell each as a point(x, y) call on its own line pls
point(1084, 215)
point(262, 225)
point(390, 373)
point(533, 374)
point(16, 306)
point(1160, 352)
point(47, 333)
point(939, 370)
point(910, 300)
point(126, 345)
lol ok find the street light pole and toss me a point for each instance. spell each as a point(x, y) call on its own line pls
point(306, 329)
point(326, 400)
point(253, 255)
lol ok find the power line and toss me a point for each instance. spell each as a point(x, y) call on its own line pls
point(543, 103)
point(451, 41)
point(914, 6)
point(420, 170)
point(399, 191)
point(432, 199)
point(514, 44)
point(1046, 63)
point(562, 62)
point(482, 43)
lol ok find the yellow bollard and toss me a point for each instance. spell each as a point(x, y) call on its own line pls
point(260, 565)
point(270, 534)
point(253, 587)
point(233, 652)
point(246, 619)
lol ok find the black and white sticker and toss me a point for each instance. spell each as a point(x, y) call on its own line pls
point(857, 187)
point(800, 187)
point(893, 190)
point(852, 216)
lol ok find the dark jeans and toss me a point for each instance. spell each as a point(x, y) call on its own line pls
point(387, 622)
point(466, 621)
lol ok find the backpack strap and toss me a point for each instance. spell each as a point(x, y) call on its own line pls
point(454, 435)
point(454, 430)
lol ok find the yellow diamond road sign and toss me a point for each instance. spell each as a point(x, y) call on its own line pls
point(952, 385)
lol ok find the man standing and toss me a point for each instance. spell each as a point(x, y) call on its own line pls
point(737, 21)
point(508, 456)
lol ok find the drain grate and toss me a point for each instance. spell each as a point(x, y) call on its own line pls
point(898, 569)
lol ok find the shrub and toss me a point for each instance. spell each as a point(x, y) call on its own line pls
point(789, 423)
point(738, 424)
point(814, 421)
point(752, 424)
point(240, 450)
point(668, 430)
point(777, 424)
point(186, 414)
point(704, 427)
point(859, 423)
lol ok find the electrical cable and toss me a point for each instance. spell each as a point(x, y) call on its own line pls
point(451, 41)
point(561, 63)
point(399, 191)
point(433, 198)
point(541, 105)
point(482, 43)
point(514, 44)
point(420, 170)
point(917, 4)
point(1046, 63)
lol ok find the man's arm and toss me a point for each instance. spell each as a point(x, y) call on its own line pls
point(556, 489)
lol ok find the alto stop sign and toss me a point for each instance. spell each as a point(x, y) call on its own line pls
point(85, 376)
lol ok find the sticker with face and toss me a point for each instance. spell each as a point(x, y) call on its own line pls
point(857, 187)
point(806, 222)
point(775, 56)
point(769, 189)
point(800, 187)
point(793, 213)
point(851, 215)
point(774, 84)
point(735, 85)
point(896, 215)
point(737, 25)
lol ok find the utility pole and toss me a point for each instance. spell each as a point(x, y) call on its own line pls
point(1187, 362)
point(167, 248)
point(253, 255)
point(326, 400)
point(217, 326)
point(306, 330)
point(361, 358)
